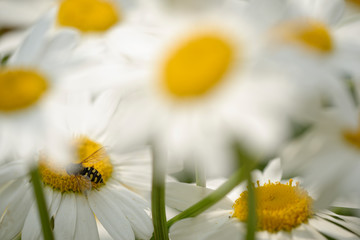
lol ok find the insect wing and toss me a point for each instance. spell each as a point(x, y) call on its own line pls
point(84, 183)
point(95, 156)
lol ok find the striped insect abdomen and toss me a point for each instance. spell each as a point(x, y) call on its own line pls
point(92, 174)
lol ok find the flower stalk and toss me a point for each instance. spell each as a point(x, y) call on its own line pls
point(248, 163)
point(158, 196)
point(41, 203)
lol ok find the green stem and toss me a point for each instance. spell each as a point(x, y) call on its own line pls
point(40, 199)
point(251, 221)
point(158, 197)
point(248, 164)
point(211, 199)
point(200, 174)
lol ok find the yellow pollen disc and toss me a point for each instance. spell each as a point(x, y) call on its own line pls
point(88, 15)
point(20, 88)
point(352, 137)
point(354, 2)
point(311, 34)
point(197, 65)
point(280, 207)
point(90, 154)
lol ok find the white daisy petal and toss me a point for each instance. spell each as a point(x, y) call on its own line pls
point(134, 178)
point(32, 229)
point(229, 230)
point(58, 49)
point(10, 192)
point(273, 171)
point(32, 44)
point(134, 208)
point(200, 227)
point(110, 216)
point(96, 126)
point(14, 218)
point(54, 207)
point(103, 234)
point(330, 11)
point(65, 219)
point(304, 231)
point(353, 223)
point(331, 229)
point(190, 194)
point(85, 221)
point(281, 236)
point(11, 170)
point(32, 225)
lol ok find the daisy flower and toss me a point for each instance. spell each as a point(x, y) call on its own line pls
point(98, 183)
point(28, 80)
point(284, 209)
point(198, 95)
point(311, 43)
point(110, 30)
point(327, 155)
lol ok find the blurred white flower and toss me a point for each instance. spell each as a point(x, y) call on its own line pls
point(202, 92)
point(308, 41)
point(284, 212)
point(31, 76)
point(116, 36)
point(97, 182)
point(327, 156)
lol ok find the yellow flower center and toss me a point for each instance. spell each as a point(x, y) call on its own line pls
point(352, 137)
point(280, 207)
point(91, 159)
point(197, 65)
point(20, 88)
point(313, 35)
point(354, 2)
point(88, 15)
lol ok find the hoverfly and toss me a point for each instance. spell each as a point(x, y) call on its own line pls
point(85, 176)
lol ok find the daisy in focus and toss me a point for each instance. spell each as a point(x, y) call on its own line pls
point(31, 76)
point(284, 211)
point(201, 92)
point(98, 183)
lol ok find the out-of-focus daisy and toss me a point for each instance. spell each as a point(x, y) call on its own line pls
point(284, 209)
point(98, 182)
point(199, 94)
point(328, 154)
point(30, 77)
point(310, 42)
point(313, 27)
point(109, 29)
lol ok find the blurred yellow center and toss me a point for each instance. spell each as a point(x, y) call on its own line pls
point(355, 2)
point(197, 65)
point(311, 34)
point(352, 137)
point(280, 207)
point(20, 88)
point(90, 154)
point(88, 15)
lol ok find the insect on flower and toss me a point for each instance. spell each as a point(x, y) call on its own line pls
point(87, 176)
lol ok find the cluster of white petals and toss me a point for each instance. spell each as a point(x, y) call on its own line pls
point(119, 105)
